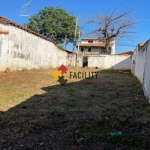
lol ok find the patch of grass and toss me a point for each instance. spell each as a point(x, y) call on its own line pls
point(138, 106)
point(124, 105)
point(148, 111)
point(70, 92)
point(91, 131)
point(118, 93)
point(29, 114)
point(136, 141)
point(92, 94)
point(58, 111)
point(87, 113)
point(68, 102)
point(6, 117)
point(33, 121)
point(23, 105)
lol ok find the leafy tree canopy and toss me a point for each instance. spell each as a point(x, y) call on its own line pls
point(55, 23)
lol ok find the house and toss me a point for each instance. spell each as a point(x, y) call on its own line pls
point(127, 53)
point(92, 46)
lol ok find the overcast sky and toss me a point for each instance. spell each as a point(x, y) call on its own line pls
point(10, 9)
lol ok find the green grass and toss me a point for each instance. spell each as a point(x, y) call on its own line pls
point(23, 105)
point(6, 117)
point(123, 105)
point(81, 114)
point(29, 114)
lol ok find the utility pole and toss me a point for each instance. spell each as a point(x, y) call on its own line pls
point(75, 34)
point(65, 42)
point(78, 46)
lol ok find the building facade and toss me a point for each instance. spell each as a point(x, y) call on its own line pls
point(92, 46)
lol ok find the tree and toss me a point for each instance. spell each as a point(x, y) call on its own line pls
point(55, 23)
point(111, 26)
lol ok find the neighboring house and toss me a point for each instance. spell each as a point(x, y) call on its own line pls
point(92, 46)
point(127, 53)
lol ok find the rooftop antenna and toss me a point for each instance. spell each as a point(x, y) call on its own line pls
point(24, 11)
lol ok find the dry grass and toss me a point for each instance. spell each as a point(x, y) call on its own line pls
point(38, 113)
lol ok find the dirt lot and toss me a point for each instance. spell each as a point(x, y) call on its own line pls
point(37, 113)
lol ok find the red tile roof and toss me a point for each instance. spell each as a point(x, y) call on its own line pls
point(125, 53)
point(2, 19)
point(141, 44)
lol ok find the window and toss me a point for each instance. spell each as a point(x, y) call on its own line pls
point(89, 49)
point(90, 41)
point(102, 50)
point(109, 50)
point(82, 49)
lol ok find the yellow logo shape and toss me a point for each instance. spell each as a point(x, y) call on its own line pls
point(57, 74)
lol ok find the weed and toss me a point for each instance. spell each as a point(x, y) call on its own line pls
point(29, 114)
point(148, 111)
point(6, 117)
point(118, 93)
point(34, 121)
point(23, 105)
point(123, 105)
point(70, 92)
point(92, 93)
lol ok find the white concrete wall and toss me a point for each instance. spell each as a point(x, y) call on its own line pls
point(141, 68)
point(20, 49)
point(139, 56)
point(115, 62)
point(146, 82)
point(71, 59)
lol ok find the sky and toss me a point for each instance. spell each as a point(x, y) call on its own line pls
point(10, 9)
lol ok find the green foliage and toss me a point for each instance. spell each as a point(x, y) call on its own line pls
point(54, 23)
point(60, 47)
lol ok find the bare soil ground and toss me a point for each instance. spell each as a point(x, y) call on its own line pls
point(37, 113)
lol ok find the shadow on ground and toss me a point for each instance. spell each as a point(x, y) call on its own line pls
point(80, 116)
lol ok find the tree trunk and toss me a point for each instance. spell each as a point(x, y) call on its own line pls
point(107, 47)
